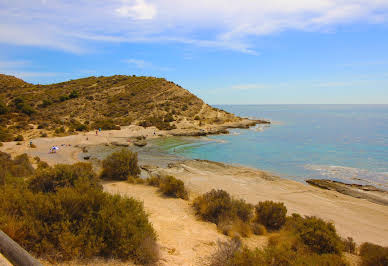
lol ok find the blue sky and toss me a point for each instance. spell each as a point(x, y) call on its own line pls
point(226, 52)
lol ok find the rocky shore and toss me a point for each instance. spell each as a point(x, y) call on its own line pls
point(366, 192)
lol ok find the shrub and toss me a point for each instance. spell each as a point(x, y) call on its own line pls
point(349, 245)
point(320, 236)
point(213, 205)
point(153, 181)
point(158, 122)
point(81, 127)
point(63, 98)
point(120, 165)
point(258, 229)
point(272, 215)
point(231, 215)
point(20, 166)
point(5, 135)
point(60, 130)
point(50, 179)
point(279, 254)
point(19, 138)
point(27, 109)
point(73, 94)
point(373, 255)
point(3, 108)
point(45, 103)
point(170, 186)
point(105, 125)
point(225, 253)
point(242, 209)
point(77, 222)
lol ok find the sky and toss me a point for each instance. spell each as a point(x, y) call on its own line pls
point(225, 52)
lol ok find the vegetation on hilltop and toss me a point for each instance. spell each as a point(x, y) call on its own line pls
point(94, 102)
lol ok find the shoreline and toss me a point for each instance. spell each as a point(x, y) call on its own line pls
point(359, 218)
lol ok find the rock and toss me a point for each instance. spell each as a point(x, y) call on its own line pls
point(357, 191)
point(120, 144)
point(140, 143)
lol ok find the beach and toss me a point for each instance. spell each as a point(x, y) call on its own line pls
point(359, 218)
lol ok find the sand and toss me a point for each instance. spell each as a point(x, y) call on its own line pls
point(358, 218)
point(185, 240)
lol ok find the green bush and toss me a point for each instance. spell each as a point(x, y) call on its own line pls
point(105, 125)
point(3, 108)
point(258, 229)
point(349, 245)
point(77, 222)
point(231, 215)
point(73, 94)
point(230, 254)
point(272, 215)
point(213, 205)
point(50, 179)
point(120, 165)
point(158, 122)
point(242, 209)
point(320, 236)
point(5, 135)
point(373, 255)
point(153, 181)
point(19, 138)
point(20, 166)
point(170, 186)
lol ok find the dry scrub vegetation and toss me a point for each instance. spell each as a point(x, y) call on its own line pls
point(98, 102)
point(169, 186)
point(61, 213)
point(293, 240)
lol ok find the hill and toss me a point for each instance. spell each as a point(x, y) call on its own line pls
point(101, 102)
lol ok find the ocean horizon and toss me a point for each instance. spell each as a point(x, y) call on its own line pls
point(342, 142)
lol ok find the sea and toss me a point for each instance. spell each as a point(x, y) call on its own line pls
point(347, 143)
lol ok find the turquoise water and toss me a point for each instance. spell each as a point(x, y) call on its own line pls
point(340, 142)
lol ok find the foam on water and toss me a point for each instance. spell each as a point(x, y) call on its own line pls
point(341, 142)
point(354, 175)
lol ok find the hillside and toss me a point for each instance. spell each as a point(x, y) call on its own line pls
point(106, 102)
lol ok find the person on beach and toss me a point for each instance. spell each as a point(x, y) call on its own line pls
point(96, 132)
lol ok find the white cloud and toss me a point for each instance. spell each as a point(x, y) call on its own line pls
point(7, 64)
point(140, 10)
point(226, 24)
point(138, 63)
point(21, 70)
point(142, 64)
point(243, 87)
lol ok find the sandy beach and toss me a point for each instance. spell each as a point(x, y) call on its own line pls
point(358, 218)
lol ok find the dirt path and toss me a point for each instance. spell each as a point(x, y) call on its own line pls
point(183, 239)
